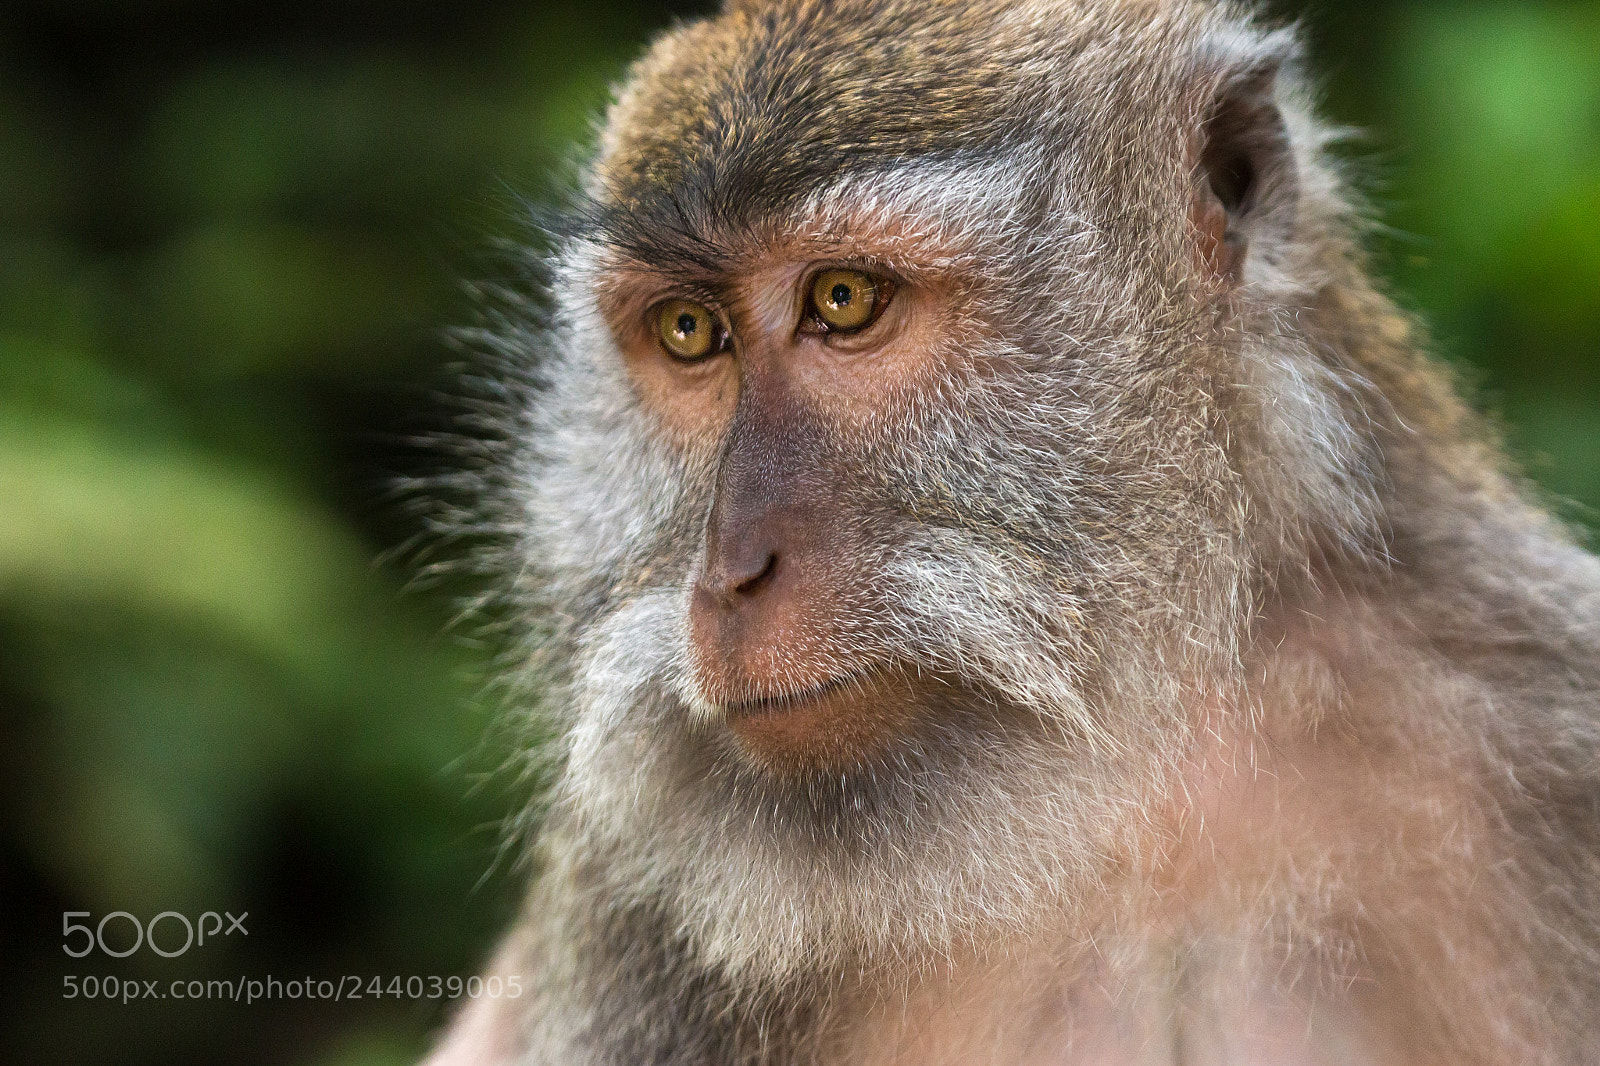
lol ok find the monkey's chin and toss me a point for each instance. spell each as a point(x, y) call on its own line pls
point(835, 725)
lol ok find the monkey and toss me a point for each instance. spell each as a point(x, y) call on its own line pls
point(1009, 586)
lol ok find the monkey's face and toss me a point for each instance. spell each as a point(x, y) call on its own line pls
point(908, 467)
point(786, 377)
point(884, 490)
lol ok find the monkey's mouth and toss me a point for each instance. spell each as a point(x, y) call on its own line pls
point(789, 701)
point(836, 723)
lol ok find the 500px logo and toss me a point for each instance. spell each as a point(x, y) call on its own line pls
point(194, 932)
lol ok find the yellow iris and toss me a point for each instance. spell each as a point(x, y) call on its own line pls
point(844, 299)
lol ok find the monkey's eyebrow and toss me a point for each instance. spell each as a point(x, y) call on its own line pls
point(929, 213)
point(668, 233)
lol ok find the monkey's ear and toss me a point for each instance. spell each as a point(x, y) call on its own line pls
point(1245, 185)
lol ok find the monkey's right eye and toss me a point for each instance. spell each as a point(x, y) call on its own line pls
point(689, 332)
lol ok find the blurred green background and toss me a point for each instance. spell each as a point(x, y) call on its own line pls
point(230, 238)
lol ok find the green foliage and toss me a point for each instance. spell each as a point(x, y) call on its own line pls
point(229, 238)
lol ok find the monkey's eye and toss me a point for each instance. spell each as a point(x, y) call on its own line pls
point(689, 332)
point(843, 301)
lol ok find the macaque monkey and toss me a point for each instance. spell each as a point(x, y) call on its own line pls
point(1011, 589)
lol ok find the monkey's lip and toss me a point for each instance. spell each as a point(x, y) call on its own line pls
point(764, 706)
point(835, 723)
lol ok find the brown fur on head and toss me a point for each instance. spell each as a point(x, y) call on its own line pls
point(881, 646)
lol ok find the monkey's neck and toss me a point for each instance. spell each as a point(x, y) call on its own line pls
point(1290, 905)
point(1274, 920)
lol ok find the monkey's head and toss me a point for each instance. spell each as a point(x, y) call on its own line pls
point(900, 489)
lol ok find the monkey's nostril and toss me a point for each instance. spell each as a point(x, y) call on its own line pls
point(748, 586)
point(730, 584)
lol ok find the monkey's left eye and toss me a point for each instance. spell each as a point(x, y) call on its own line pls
point(844, 301)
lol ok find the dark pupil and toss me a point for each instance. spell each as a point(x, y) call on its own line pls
point(687, 325)
point(841, 295)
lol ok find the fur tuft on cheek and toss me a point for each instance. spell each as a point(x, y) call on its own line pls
point(961, 609)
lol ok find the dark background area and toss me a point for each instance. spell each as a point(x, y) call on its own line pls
point(231, 237)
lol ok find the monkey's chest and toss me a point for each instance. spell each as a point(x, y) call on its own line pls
point(999, 1020)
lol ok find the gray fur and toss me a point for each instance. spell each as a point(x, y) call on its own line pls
point(1282, 514)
